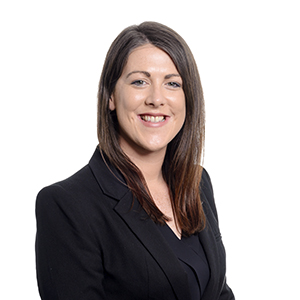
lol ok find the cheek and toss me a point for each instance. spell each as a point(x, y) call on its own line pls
point(182, 118)
point(125, 109)
point(182, 114)
point(129, 102)
point(181, 108)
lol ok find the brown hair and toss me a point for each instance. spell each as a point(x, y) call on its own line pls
point(181, 168)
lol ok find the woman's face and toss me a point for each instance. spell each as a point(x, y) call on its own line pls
point(149, 101)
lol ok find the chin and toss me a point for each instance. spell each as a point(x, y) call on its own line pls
point(144, 146)
point(155, 148)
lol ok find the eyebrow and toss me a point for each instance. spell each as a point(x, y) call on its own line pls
point(171, 75)
point(149, 75)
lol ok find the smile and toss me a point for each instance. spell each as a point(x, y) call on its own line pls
point(153, 119)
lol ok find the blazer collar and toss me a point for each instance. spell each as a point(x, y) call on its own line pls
point(108, 177)
point(113, 185)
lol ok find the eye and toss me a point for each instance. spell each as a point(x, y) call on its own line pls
point(138, 82)
point(174, 84)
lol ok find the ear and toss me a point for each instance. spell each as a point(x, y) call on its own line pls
point(112, 105)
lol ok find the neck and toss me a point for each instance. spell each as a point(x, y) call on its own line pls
point(150, 164)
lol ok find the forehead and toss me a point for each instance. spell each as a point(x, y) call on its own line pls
point(149, 57)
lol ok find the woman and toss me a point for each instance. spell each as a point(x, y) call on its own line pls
point(139, 221)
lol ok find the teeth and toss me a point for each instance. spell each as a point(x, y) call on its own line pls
point(153, 119)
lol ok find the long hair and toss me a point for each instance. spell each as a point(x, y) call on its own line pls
point(182, 164)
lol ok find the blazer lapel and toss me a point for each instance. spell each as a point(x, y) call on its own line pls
point(145, 230)
point(113, 185)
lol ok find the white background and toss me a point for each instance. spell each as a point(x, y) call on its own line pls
point(248, 57)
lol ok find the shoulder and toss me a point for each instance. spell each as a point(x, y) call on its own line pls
point(206, 187)
point(66, 193)
point(206, 184)
point(207, 194)
point(71, 184)
point(64, 212)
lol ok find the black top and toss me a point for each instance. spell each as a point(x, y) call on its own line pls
point(192, 258)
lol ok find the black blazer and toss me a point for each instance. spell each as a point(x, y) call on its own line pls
point(91, 244)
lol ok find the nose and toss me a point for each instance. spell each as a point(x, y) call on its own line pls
point(155, 98)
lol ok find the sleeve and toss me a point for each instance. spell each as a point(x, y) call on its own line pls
point(226, 292)
point(68, 257)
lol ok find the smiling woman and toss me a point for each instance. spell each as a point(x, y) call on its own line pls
point(150, 105)
point(139, 221)
point(155, 46)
